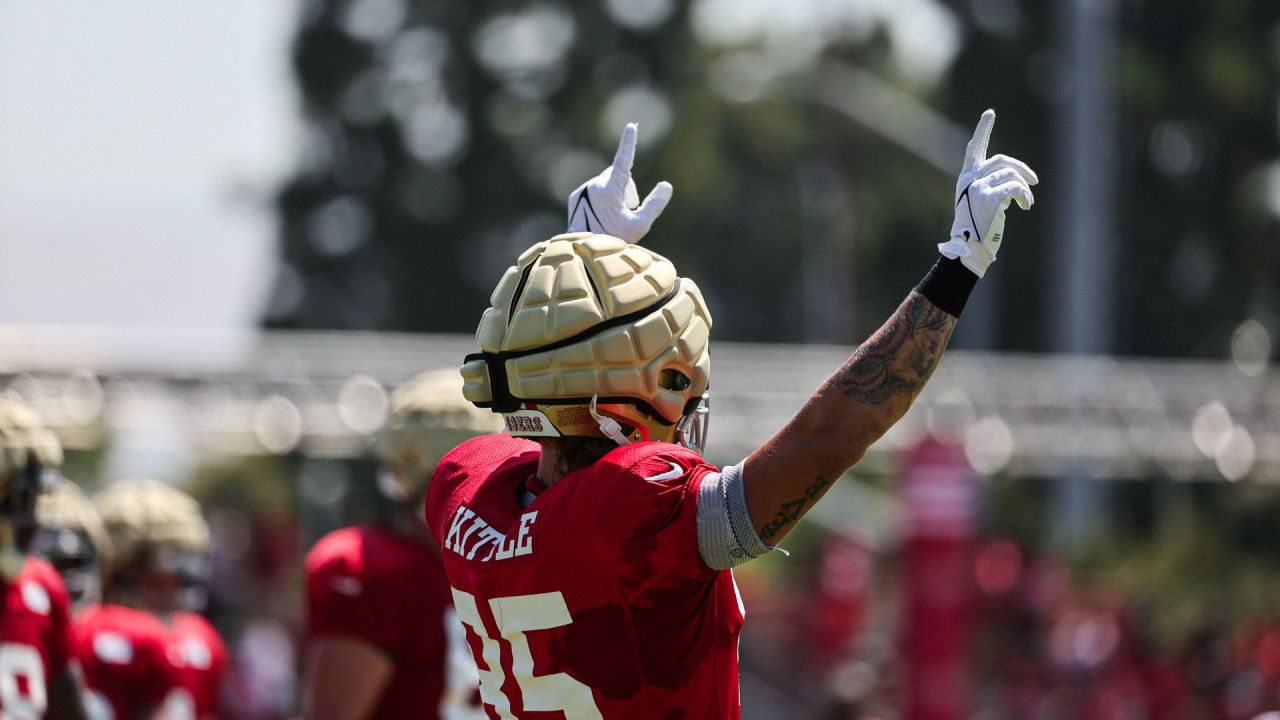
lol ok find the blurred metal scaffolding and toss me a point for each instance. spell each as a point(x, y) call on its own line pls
point(322, 394)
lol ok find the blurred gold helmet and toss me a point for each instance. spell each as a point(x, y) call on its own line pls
point(72, 538)
point(428, 418)
point(585, 328)
point(155, 524)
point(28, 453)
point(26, 443)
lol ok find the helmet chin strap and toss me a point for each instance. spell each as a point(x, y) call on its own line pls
point(608, 425)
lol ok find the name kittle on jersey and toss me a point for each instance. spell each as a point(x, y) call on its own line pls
point(469, 534)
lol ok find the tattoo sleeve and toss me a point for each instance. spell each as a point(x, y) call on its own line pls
point(896, 362)
point(787, 475)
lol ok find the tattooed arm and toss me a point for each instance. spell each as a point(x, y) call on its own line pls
point(787, 475)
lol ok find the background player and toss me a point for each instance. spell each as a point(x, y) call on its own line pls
point(36, 676)
point(122, 651)
point(602, 571)
point(383, 640)
point(71, 537)
point(160, 545)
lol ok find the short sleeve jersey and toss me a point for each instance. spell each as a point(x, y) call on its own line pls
point(372, 584)
point(122, 654)
point(199, 660)
point(593, 600)
point(35, 638)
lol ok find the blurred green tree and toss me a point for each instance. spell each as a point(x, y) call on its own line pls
point(444, 137)
point(810, 145)
point(1196, 227)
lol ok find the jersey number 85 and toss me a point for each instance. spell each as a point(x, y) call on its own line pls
point(514, 616)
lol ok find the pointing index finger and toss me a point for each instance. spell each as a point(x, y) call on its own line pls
point(626, 154)
point(976, 151)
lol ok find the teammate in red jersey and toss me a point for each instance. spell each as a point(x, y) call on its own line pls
point(200, 660)
point(36, 675)
point(121, 651)
point(383, 640)
point(123, 655)
point(592, 564)
point(160, 544)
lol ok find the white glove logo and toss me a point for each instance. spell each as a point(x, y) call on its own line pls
point(983, 192)
point(609, 203)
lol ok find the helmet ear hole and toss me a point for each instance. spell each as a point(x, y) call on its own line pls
point(672, 379)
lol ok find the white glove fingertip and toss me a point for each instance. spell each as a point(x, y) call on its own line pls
point(976, 152)
point(1026, 199)
point(1009, 190)
point(626, 155)
point(654, 204)
point(661, 192)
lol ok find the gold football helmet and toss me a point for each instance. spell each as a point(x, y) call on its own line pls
point(428, 417)
point(586, 329)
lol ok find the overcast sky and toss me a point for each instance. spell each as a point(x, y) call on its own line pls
point(140, 142)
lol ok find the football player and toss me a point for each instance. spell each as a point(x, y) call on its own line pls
point(160, 544)
point(37, 679)
point(70, 535)
point(589, 555)
point(383, 640)
point(120, 650)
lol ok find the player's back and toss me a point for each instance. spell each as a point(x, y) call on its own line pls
point(122, 654)
point(35, 638)
point(199, 660)
point(372, 584)
point(593, 599)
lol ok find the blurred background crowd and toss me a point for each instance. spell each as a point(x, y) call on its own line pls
point(229, 232)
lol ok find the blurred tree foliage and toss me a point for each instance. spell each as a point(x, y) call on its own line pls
point(443, 138)
point(1197, 230)
point(1209, 563)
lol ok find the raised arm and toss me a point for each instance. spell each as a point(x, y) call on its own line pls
point(876, 386)
point(787, 475)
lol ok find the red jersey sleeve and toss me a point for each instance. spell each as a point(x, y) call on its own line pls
point(638, 506)
point(344, 601)
point(60, 625)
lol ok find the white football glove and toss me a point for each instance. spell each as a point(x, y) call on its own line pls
point(983, 192)
point(609, 203)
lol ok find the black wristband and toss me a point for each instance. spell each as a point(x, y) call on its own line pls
point(948, 285)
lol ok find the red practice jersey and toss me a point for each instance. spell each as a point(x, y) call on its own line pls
point(593, 601)
point(35, 639)
point(199, 659)
point(377, 586)
point(122, 653)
